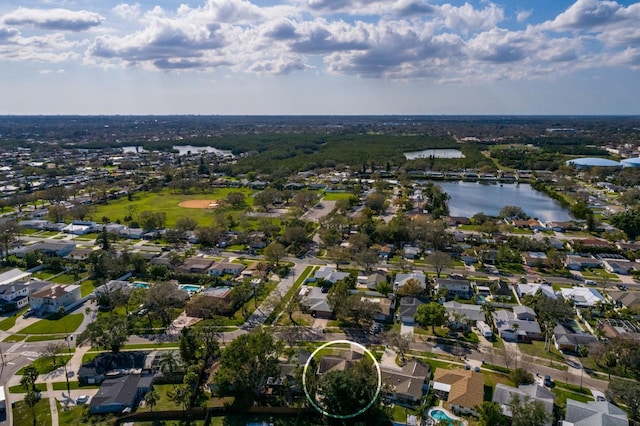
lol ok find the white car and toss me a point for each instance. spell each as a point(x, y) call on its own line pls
point(82, 399)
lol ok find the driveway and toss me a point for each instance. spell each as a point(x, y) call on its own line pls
point(406, 329)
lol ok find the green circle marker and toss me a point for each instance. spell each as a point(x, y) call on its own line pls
point(312, 401)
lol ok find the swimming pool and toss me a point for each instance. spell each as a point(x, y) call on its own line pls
point(139, 284)
point(193, 288)
point(439, 415)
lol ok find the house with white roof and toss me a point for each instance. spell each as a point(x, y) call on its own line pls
point(517, 326)
point(419, 277)
point(582, 297)
point(531, 289)
point(53, 298)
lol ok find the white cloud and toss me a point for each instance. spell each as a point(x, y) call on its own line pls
point(467, 19)
point(590, 15)
point(522, 15)
point(56, 71)
point(127, 11)
point(53, 19)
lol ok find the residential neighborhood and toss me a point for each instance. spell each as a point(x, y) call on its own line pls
point(161, 285)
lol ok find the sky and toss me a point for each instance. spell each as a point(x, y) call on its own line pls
point(319, 57)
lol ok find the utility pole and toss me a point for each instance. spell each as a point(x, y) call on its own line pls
point(62, 312)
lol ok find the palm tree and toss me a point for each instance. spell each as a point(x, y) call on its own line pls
point(168, 363)
point(29, 377)
point(151, 398)
point(31, 398)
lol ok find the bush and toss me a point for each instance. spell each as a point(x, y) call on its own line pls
point(520, 376)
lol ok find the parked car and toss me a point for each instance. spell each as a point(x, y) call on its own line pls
point(82, 399)
point(547, 381)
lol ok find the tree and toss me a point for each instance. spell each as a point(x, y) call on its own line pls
point(246, 363)
point(626, 392)
point(53, 349)
point(152, 398)
point(627, 221)
point(56, 213)
point(31, 398)
point(439, 261)
point(512, 212)
point(527, 412)
point(274, 252)
point(411, 287)
point(490, 414)
point(376, 202)
point(109, 332)
point(520, 376)
point(235, 199)
point(8, 233)
point(29, 376)
point(432, 314)
point(162, 297)
point(265, 198)
point(181, 395)
point(399, 342)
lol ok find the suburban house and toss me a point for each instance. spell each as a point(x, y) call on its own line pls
point(626, 299)
point(341, 362)
point(566, 339)
point(224, 268)
point(14, 276)
point(315, 302)
point(131, 233)
point(79, 227)
point(407, 310)
point(50, 248)
point(504, 393)
point(110, 365)
point(196, 265)
point(594, 413)
point(385, 306)
point(79, 254)
point(214, 300)
point(110, 287)
point(619, 266)
point(372, 280)
point(578, 263)
point(407, 384)
point(517, 326)
point(455, 287)
point(14, 289)
point(53, 298)
point(411, 252)
point(582, 297)
point(534, 258)
point(462, 389)
point(464, 315)
point(532, 289)
point(120, 394)
point(402, 279)
point(330, 274)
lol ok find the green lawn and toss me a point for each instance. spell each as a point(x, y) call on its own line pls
point(536, 348)
point(9, 322)
point(54, 325)
point(15, 338)
point(22, 413)
point(73, 384)
point(45, 365)
point(165, 403)
point(86, 287)
point(337, 196)
point(71, 415)
point(293, 290)
point(69, 278)
point(45, 337)
point(563, 394)
point(167, 201)
point(19, 389)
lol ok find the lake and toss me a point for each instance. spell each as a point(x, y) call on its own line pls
point(469, 198)
point(186, 149)
point(436, 153)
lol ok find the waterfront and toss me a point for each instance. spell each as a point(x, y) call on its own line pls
point(469, 198)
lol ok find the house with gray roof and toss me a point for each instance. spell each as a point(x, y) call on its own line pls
point(503, 395)
point(407, 384)
point(117, 395)
point(467, 315)
point(566, 339)
point(408, 308)
point(455, 287)
point(330, 274)
point(517, 327)
point(598, 413)
point(315, 302)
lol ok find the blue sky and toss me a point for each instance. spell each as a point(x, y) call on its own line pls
point(319, 57)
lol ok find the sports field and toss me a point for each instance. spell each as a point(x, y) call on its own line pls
point(169, 202)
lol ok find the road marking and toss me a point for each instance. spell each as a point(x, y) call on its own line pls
point(30, 359)
point(14, 347)
point(31, 354)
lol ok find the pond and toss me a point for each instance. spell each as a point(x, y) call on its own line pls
point(469, 198)
point(436, 153)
